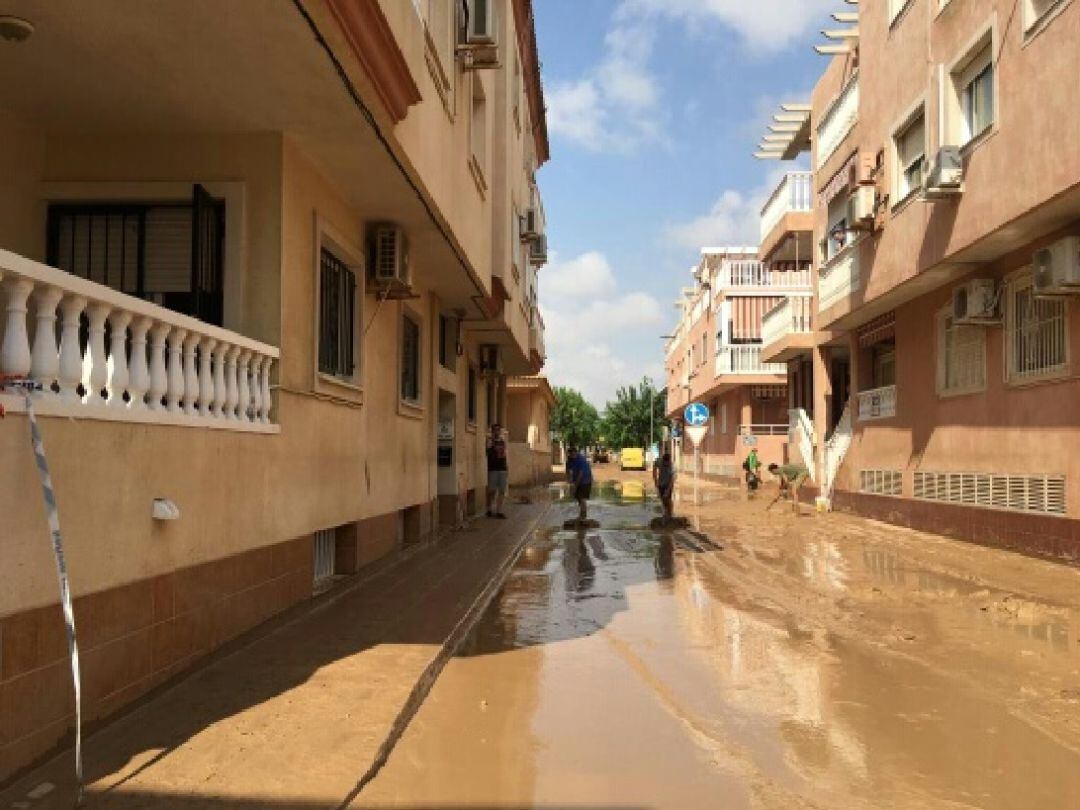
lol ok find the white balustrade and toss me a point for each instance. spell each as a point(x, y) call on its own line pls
point(751, 273)
point(877, 403)
point(791, 316)
point(159, 366)
point(834, 451)
point(840, 277)
point(801, 434)
point(794, 193)
point(838, 121)
point(745, 359)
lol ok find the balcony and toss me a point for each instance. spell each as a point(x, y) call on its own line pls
point(839, 120)
point(839, 277)
point(537, 350)
point(877, 403)
point(746, 275)
point(745, 361)
point(793, 195)
point(786, 329)
point(158, 366)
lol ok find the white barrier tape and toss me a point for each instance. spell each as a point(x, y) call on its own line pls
point(53, 517)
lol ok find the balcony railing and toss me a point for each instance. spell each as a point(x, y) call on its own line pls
point(159, 367)
point(838, 121)
point(763, 430)
point(790, 317)
point(536, 341)
point(839, 278)
point(745, 360)
point(749, 273)
point(878, 403)
point(795, 193)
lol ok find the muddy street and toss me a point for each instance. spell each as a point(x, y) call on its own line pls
point(764, 661)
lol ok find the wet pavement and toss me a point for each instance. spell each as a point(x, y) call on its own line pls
point(765, 661)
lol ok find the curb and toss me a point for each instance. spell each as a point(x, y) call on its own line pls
point(448, 649)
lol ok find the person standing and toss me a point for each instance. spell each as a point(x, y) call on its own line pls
point(792, 477)
point(663, 476)
point(498, 472)
point(579, 473)
point(752, 466)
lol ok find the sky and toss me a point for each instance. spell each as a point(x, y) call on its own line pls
point(655, 108)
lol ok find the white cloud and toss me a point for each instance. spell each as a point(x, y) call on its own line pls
point(588, 275)
point(733, 219)
point(762, 24)
point(583, 310)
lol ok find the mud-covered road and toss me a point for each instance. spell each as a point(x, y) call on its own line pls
point(770, 661)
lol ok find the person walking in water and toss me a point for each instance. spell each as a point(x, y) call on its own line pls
point(579, 474)
point(498, 472)
point(663, 476)
point(792, 477)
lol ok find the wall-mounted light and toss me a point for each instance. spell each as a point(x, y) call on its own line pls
point(15, 29)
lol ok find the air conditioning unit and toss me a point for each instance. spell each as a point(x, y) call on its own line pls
point(538, 250)
point(1057, 268)
point(946, 174)
point(480, 34)
point(490, 358)
point(530, 225)
point(390, 257)
point(861, 207)
point(975, 302)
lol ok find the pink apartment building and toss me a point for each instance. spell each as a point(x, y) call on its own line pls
point(934, 377)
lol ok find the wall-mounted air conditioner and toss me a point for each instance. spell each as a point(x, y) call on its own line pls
point(975, 302)
point(946, 175)
point(389, 258)
point(1057, 268)
point(862, 207)
point(479, 40)
point(530, 225)
point(538, 250)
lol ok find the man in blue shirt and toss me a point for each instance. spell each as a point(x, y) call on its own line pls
point(579, 474)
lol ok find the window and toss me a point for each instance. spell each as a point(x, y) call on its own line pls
point(337, 317)
point(180, 265)
point(1036, 336)
point(410, 360)
point(448, 341)
point(441, 29)
point(961, 360)
point(883, 364)
point(704, 347)
point(1036, 10)
point(910, 145)
point(471, 409)
point(478, 124)
point(723, 418)
point(972, 106)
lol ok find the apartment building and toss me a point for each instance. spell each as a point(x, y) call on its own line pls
point(530, 402)
point(714, 355)
point(271, 266)
point(932, 384)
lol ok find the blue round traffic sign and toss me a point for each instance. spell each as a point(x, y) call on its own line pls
point(696, 413)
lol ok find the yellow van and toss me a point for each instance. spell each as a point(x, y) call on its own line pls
point(632, 458)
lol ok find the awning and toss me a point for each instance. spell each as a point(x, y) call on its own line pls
point(880, 329)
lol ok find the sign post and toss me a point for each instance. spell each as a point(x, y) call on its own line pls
point(697, 425)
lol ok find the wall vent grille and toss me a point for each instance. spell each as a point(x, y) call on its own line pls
point(1044, 494)
point(881, 482)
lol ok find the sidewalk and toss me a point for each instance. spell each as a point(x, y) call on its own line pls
point(300, 715)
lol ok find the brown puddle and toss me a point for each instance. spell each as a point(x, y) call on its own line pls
point(622, 668)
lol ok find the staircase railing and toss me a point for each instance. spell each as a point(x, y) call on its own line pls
point(801, 434)
point(835, 450)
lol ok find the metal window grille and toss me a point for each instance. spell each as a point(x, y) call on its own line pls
point(881, 482)
point(1043, 494)
point(472, 394)
point(410, 359)
point(962, 357)
point(324, 552)
point(1037, 335)
point(337, 316)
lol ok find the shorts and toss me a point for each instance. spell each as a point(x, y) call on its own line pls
point(498, 481)
point(582, 492)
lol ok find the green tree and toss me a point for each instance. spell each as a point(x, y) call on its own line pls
point(626, 420)
point(574, 420)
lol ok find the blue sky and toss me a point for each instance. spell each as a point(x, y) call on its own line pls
point(654, 110)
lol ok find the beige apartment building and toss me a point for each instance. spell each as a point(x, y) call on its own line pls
point(272, 265)
point(933, 383)
point(714, 355)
